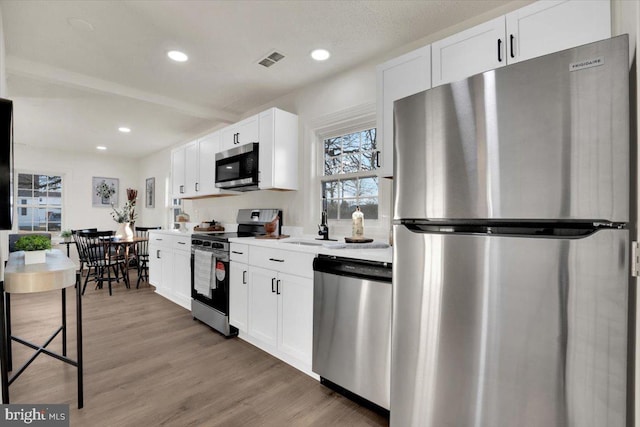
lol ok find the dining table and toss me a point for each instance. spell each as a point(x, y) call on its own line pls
point(126, 246)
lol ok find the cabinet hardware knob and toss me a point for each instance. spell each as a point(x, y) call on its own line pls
point(273, 282)
point(158, 253)
point(511, 37)
point(378, 159)
point(278, 287)
point(499, 50)
point(244, 277)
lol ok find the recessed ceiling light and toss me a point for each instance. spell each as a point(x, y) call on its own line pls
point(177, 56)
point(101, 147)
point(124, 129)
point(320, 54)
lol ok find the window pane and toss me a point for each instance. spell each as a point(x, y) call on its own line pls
point(331, 189)
point(332, 209)
point(368, 160)
point(24, 219)
point(351, 163)
point(347, 207)
point(349, 188)
point(25, 181)
point(55, 184)
point(40, 197)
point(351, 143)
point(54, 219)
point(332, 165)
point(333, 147)
point(40, 182)
point(369, 208)
point(25, 193)
point(368, 186)
point(368, 139)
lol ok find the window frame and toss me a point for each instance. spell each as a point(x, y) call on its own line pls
point(344, 128)
point(17, 206)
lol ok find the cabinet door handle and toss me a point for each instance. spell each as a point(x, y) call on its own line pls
point(197, 189)
point(499, 50)
point(158, 253)
point(159, 240)
point(236, 252)
point(276, 260)
point(278, 287)
point(511, 37)
point(244, 277)
point(273, 283)
point(378, 159)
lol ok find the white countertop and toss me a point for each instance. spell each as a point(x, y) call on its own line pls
point(381, 255)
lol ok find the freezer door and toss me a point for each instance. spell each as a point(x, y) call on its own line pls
point(509, 331)
point(544, 139)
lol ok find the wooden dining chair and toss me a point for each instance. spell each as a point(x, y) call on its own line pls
point(100, 257)
point(143, 253)
point(82, 260)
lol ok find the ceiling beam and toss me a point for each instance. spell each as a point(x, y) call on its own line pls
point(59, 76)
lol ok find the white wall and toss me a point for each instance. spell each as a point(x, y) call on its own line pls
point(156, 166)
point(77, 169)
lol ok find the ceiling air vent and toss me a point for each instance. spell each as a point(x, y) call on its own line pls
point(271, 59)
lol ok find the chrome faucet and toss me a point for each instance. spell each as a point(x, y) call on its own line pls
point(323, 227)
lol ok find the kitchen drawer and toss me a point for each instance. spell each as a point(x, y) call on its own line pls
point(160, 239)
point(181, 243)
point(290, 262)
point(239, 253)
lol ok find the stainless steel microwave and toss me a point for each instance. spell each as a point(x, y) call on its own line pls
point(237, 168)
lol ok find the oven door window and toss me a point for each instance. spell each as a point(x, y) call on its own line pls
point(218, 296)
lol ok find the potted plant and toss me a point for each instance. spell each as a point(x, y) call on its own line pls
point(35, 248)
point(124, 217)
point(66, 235)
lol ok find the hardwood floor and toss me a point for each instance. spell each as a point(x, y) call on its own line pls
point(147, 362)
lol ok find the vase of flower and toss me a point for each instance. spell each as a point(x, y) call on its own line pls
point(124, 231)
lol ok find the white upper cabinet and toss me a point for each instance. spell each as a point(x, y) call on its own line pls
point(178, 171)
point(402, 76)
point(190, 168)
point(207, 149)
point(278, 150)
point(469, 52)
point(535, 30)
point(193, 168)
point(551, 26)
point(243, 132)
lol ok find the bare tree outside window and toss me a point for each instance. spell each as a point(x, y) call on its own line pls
point(348, 161)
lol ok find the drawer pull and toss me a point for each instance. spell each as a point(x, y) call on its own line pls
point(276, 260)
point(236, 252)
point(181, 243)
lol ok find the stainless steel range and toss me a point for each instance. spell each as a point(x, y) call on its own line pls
point(210, 268)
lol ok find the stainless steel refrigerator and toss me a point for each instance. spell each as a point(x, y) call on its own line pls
point(510, 268)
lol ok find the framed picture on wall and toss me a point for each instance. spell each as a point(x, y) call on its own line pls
point(104, 192)
point(150, 193)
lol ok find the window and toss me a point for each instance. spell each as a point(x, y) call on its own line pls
point(349, 179)
point(40, 200)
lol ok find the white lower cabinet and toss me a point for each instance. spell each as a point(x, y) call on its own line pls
point(295, 316)
point(263, 305)
point(238, 295)
point(274, 308)
point(170, 266)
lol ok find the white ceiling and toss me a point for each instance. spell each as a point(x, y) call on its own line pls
point(73, 86)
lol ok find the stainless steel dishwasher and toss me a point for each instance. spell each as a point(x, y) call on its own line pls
point(352, 327)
